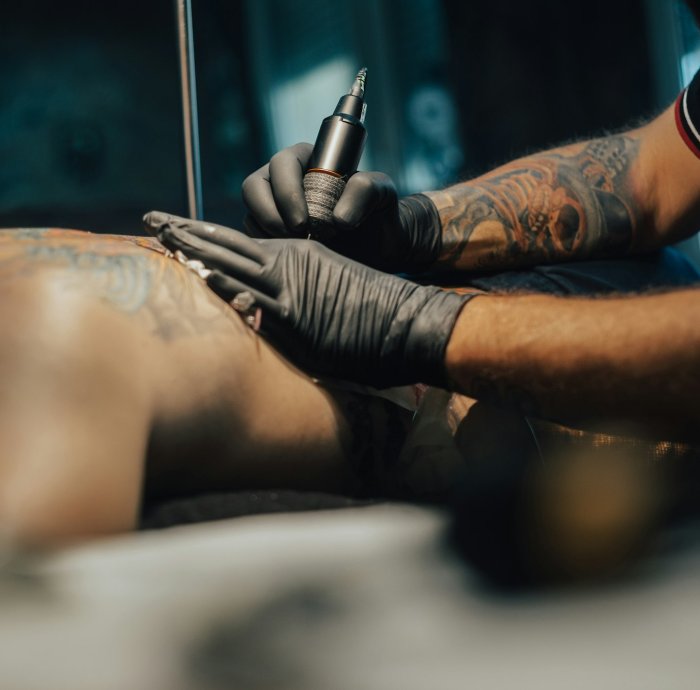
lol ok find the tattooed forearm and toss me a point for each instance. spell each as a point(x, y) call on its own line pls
point(569, 203)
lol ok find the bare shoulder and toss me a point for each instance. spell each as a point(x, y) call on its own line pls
point(128, 273)
point(47, 236)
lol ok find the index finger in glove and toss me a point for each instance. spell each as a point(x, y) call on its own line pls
point(211, 232)
point(274, 194)
point(257, 196)
point(175, 234)
point(228, 238)
point(287, 169)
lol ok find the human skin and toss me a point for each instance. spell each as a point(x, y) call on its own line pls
point(123, 376)
point(616, 361)
point(629, 360)
point(621, 194)
point(616, 195)
point(626, 363)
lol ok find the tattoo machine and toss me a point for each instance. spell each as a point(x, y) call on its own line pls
point(336, 155)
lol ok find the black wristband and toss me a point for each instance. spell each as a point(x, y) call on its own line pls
point(421, 223)
point(688, 115)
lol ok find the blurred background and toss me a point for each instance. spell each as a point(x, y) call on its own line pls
point(90, 115)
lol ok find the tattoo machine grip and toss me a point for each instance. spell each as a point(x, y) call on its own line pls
point(336, 155)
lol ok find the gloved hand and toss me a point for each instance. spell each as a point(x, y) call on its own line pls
point(328, 313)
point(370, 223)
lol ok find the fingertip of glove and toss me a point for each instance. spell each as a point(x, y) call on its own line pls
point(216, 281)
point(346, 221)
point(214, 277)
point(296, 216)
point(155, 220)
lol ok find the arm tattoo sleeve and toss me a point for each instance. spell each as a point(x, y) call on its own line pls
point(570, 203)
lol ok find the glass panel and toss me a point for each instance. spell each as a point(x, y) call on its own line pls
point(689, 44)
point(431, 151)
point(229, 116)
point(90, 126)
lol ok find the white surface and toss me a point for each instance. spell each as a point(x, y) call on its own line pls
point(361, 598)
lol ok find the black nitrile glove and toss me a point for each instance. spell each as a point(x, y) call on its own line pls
point(328, 313)
point(370, 224)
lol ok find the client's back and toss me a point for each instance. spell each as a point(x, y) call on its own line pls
point(120, 370)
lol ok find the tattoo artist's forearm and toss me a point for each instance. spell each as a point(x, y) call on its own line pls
point(619, 360)
point(569, 203)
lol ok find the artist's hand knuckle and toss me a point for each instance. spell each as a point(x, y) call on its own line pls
point(248, 186)
point(303, 151)
point(386, 184)
point(363, 183)
point(278, 158)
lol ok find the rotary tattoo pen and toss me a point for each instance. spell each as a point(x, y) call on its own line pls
point(335, 155)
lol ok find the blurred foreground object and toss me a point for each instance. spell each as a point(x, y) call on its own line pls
point(540, 504)
point(363, 598)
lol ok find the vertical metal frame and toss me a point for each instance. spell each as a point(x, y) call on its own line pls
point(188, 84)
